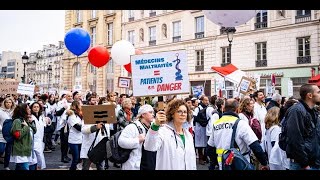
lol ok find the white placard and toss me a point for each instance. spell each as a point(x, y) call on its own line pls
point(160, 73)
point(27, 89)
point(77, 88)
point(290, 88)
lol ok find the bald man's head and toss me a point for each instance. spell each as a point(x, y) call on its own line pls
point(231, 105)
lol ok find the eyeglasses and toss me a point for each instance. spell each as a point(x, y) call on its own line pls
point(180, 112)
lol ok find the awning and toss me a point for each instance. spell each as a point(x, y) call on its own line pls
point(314, 79)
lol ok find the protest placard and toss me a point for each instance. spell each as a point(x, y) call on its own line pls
point(93, 114)
point(160, 73)
point(8, 86)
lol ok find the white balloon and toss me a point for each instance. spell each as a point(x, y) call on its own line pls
point(121, 52)
point(230, 18)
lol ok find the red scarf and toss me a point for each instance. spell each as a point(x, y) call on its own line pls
point(128, 113)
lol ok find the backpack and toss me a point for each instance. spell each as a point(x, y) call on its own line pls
point(232, 159)
point(283, 135)
point(6, 130)
point(115, 153)
point(256, 127)
point(201, 118)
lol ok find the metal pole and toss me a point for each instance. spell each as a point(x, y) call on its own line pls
point(24, 72)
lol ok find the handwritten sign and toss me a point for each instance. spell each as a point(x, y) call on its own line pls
point(27, 89)
point(93, 114)
point(8, 86)
point(163, 73)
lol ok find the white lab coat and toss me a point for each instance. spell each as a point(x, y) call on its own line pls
point(171, 153)
point(38, 144)
point(129, 140)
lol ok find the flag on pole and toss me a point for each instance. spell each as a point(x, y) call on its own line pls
point(230, 72)
point(273, 79)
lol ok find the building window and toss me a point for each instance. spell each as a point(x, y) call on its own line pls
point(261, 49)
point(303, 16)
point(110, 66)
point(131, 37)
point(176, 31)
point(152, 36)
point(110, 85)
point(164, 11)
point(303, 50)
point(92, 77)
point(130, 15)
point(77, 69)
point(199, 60)
point(142, 13)
point(261, 19)
point(93, 14)
point(77, 73)
point(199, 27)
point(93, 36)
point(152, 13)
point(226, 58)
point(110, 33)
point(78, 16)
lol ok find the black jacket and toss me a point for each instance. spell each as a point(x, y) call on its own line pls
point(302, 137)
point(272, 104)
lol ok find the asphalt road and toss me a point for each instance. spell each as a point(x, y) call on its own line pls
point(53, 162)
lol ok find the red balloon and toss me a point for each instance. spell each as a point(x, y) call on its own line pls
point(128, 67)
point(99, 56)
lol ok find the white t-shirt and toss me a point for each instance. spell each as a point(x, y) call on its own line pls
point(75, 136)
point(272, 134)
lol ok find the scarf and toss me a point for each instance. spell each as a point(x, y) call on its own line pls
point(128, 113)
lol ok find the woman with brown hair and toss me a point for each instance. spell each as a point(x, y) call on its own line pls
point(173, 143)
point(22, 129)
point(74, 123)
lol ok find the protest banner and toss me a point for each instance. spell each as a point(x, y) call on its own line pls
point(163, 73)
point(27, 89)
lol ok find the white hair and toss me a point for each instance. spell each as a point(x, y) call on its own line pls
point(276, 97)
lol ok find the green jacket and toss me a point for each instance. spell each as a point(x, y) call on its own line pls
point(23, 145)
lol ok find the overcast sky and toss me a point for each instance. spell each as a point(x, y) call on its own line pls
point(29, 30)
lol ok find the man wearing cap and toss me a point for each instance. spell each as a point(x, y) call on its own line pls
point(130, 138)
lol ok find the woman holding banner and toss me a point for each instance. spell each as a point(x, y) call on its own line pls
point(168, 136)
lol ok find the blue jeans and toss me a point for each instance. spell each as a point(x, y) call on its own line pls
point(33, 167)
point(8, 151)
point(22, 166)
point(75, 151)
point(296, 166)
point(2, 148)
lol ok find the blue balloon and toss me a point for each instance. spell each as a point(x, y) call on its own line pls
point(77, 41)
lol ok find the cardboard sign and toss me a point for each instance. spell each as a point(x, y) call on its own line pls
point(93, 114)
point(246, 85)
point(8, 86)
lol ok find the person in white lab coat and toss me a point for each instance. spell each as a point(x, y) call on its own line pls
point(173, 143)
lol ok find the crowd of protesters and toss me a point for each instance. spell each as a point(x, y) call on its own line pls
point(164, 139)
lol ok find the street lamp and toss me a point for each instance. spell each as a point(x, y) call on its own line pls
point(230, 32)
point(49, 76)
point(25, 59)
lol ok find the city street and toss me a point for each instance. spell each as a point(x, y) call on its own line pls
point(53, 162)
